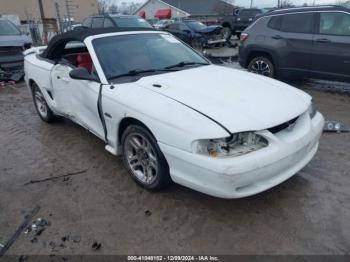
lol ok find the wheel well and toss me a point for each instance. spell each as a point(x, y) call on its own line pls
point(31, 82)
point(255, 54)
point(127, 121)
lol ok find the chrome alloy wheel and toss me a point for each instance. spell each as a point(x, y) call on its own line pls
point(141, 158)
point(41, 104)
point(261, 67)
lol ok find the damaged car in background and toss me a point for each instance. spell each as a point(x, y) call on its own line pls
point(197, 34)
point(174, 116)
point(12, 45)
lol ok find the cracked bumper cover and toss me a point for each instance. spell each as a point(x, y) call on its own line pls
point(235, 177)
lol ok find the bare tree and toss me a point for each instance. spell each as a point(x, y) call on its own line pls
point(113, 9)
point(103, 6)
point(342, 2)
point(112, 6)
point(286, 3)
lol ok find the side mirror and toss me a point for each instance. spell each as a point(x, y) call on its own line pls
point(186, 31)
point(82, 73)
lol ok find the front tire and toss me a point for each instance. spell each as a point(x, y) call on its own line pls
point(41, 105)
point(262, 65)
point(143, 158)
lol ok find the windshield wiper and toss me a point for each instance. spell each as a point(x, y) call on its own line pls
point(137, 72)
point(184, 63)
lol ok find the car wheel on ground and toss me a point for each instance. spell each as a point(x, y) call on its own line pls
point(143, 158)
point(41, 106)
point(262, 65)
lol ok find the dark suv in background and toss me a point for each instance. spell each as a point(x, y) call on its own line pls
point(240, 19)
point(300, 42)
point(245, 17)
point(120, 21)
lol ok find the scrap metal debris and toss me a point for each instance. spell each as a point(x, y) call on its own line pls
point(96, 246)
point(335, 127)
point(76, 239)
point(19, 230)
point(56, 177)
point(37, 228)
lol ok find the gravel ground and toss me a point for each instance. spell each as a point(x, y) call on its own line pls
point(308, 214)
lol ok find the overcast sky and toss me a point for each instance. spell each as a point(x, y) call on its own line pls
point(259, 3)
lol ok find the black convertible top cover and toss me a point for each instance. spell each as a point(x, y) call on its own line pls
point(58, 42)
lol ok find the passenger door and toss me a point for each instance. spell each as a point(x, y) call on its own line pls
point(77, 99)
point(331, 51)
point(292, 39)
point(61, 91)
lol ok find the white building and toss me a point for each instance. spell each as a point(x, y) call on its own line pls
point(165, 9)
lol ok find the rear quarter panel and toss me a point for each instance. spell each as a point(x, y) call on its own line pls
point(38, 71)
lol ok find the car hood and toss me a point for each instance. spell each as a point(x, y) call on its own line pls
point(14, 40)
point(238, 100)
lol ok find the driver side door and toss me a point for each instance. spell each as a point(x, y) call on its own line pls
point(77, 99)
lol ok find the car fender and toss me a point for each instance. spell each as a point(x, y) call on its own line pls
point(171, 122)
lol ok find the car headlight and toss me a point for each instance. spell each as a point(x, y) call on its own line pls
point(236, 145)
point(312, 109)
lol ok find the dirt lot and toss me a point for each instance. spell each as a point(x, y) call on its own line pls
point(309, 214)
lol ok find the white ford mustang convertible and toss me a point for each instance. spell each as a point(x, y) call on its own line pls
point(171, 114)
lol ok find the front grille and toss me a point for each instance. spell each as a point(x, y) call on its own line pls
point(279, 128)
point(11, 50)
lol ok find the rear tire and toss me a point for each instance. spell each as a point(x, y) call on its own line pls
point(143, 158)
point(41, 105)
point(262, 65)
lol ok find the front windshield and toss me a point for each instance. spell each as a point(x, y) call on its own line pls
point(7, 28)
point(131, 22)
point(121, 54)
point(196, 25)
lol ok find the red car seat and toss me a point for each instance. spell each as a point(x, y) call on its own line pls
point(84, 60)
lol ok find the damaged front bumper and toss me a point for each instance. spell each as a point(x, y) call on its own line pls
point(288, 152)
point(11, 67)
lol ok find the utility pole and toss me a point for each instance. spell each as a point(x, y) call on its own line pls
point(42, 15)
point(69, 11)
point(57, 6)
point(41, 8)
point(251, 3)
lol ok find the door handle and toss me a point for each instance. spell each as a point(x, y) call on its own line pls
point(323, 40)
point(58, 77)
point(277, 37)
